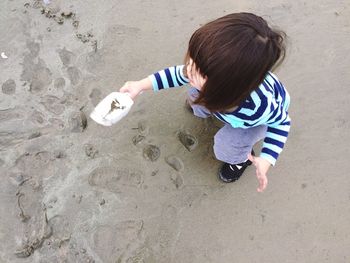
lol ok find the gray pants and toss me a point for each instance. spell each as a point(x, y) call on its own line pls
point(231, 145)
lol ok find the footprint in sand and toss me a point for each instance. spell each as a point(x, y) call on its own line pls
point(167, 231)
point(77, 122)
point(178, 180)
point(9, 114)
point(42, 78)
point(35, 71)
point(114, 241)
point(37, 117)
point(95, 96)
point(175, 162)
point(188, 140)
point(60, 226)
point(74, 75)
point(9, 87)
point(116, 180)
point(67, 57)
point(59, 83)
point(57, 124)
point(32, 161)
point(53, 104)
point(151, 152)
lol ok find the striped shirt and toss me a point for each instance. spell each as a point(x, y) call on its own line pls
point(267, 105)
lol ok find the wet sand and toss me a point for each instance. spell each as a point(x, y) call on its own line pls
point(145, 189)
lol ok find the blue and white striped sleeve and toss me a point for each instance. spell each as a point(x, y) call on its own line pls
point(169, 78)
point(276, 137)
point(278, 125)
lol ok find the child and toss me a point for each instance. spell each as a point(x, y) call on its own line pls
point(228, 65)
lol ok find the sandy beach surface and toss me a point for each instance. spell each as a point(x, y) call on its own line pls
point(74, 191)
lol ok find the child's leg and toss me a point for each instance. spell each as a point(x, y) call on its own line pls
point(198, 110)
point(232, 145)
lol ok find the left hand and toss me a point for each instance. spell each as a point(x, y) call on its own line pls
point(261, 166)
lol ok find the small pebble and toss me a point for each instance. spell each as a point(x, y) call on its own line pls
point(67, 14)
point(59, 154)
point(53, 199)
point(59, 20)
point(154, 173)
point(75, 23)
point(34, 135)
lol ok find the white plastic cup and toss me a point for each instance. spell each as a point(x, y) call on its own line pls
point(112, 108)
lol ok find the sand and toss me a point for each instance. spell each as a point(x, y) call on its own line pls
point(74, 191)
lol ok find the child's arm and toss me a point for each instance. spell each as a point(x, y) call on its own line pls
point(166, 78)
point(134, 88)
point(275, 139)
point(169, 78)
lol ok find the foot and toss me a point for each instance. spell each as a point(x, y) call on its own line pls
point(232, 172)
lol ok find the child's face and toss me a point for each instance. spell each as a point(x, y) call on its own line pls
point(195, 78)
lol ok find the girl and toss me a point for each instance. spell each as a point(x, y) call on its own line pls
point(228, 65)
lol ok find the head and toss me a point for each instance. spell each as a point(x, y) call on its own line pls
point(230, 57)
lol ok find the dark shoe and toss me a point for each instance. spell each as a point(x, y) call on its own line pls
point(232, 172)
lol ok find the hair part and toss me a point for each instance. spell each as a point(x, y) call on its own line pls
point(234, 52)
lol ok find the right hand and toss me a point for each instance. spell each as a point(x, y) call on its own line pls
point(132, 87)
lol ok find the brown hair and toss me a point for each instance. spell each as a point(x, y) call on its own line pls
point(234, 52)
